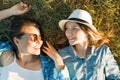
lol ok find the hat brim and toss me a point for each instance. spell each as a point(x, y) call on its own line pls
point(63, 22)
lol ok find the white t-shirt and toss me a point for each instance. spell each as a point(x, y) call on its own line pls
point(16, 72)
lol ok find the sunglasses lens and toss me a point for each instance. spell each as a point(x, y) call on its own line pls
point(34, 38)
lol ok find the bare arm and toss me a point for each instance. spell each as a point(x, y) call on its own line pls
point(6, 58)
point(17, 9)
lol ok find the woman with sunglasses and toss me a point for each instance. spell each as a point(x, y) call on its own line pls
point(87, 55)
point(24, 59)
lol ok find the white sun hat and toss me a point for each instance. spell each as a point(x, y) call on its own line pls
point(80, 16)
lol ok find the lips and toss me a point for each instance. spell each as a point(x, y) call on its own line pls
point(71, 39)
point(37, 48)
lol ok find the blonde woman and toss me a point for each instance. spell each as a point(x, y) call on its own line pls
point(87, 56)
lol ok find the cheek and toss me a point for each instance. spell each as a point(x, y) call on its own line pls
point(66, 33)
point(25, 44)
point(22, 47)
point(29, 46)
point(81, 35)
point(32, 50)
point(69, 33)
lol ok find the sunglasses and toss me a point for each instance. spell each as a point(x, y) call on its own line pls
point(32, 37)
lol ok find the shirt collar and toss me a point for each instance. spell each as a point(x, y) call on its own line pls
point(92, 52)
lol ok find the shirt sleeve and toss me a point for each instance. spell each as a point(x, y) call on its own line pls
point(62, 74)
point(111, 69)
point(5, 46)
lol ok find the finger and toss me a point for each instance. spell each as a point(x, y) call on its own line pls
point(25, 10)
point(29, 7)
point(24, 5)
point(21, 4)
point(45, 48)
point(49, 45)
point(45, 51)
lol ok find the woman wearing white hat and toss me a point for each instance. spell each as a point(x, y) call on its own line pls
point(87, 56)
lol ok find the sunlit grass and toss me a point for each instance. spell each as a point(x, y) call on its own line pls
point(105, 13)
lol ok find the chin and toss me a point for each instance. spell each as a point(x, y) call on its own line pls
point(72, 44)
point(36, 52)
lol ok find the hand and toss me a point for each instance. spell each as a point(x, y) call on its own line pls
point(53, 54)
point(20, 8)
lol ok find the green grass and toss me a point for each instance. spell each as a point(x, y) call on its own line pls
point(105, 13)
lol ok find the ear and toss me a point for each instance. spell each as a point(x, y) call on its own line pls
point(16, 41)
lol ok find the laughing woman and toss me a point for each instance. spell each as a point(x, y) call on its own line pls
point(24, 59)
point(87, 56)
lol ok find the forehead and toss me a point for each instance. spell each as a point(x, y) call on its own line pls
point(30, 29)
point(71, 24)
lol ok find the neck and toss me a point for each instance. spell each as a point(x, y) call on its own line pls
point(28, 61)
point(26, 58)
point(81, 50)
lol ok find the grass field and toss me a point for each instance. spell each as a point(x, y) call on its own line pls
point(105, 13)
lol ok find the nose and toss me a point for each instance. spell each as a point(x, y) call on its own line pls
point(69, 33)
point(39, 40)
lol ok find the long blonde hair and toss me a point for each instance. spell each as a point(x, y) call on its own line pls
point(96, 38)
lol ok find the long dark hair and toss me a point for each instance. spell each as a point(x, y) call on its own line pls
point(17, 25)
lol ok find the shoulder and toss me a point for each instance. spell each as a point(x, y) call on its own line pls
point(65, 50)
point(103, 48)
point(46, 60)
point(67, 54)
point(6, 58)
point(47, 65)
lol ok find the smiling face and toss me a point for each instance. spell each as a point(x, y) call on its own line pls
point(30, 42)
point(75, 34)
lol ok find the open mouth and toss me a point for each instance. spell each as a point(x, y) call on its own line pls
point(37, 48)
point(71, 39)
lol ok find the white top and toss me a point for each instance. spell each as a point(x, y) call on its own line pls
point(16, 72)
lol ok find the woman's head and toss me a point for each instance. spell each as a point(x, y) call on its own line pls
point(85, 32)
point(75, 33)
point(27, 36)
point(79, 16)
point(78, 33)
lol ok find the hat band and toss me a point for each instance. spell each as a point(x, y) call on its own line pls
point(76, 19)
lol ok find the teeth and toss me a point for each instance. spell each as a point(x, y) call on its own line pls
point(72, 39)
